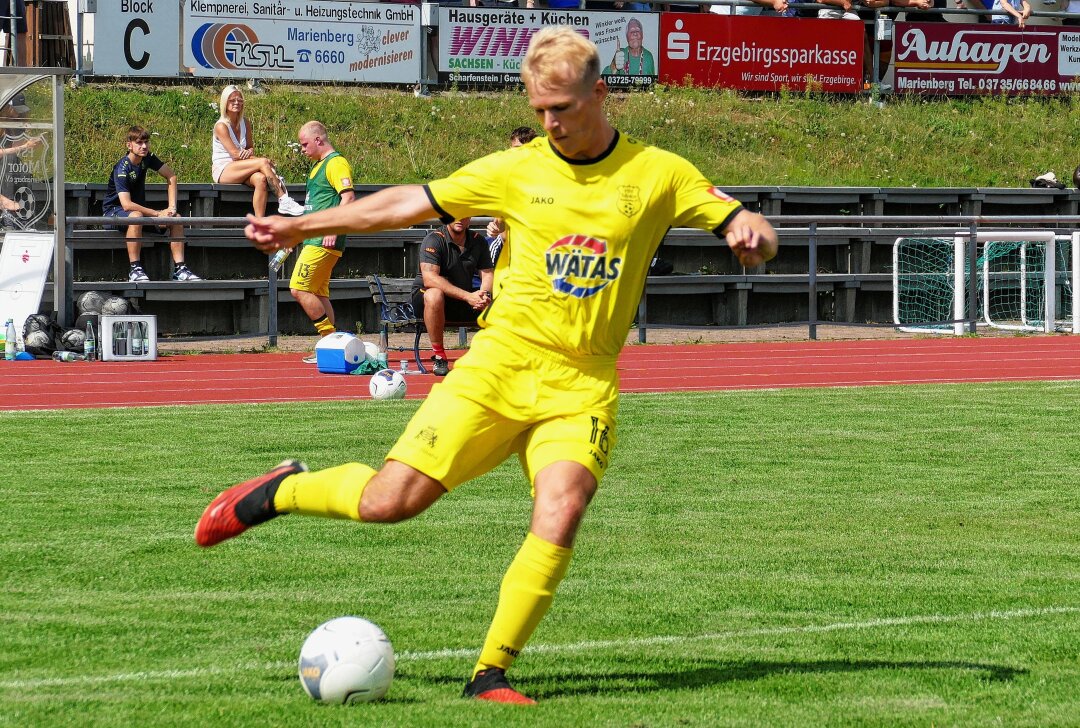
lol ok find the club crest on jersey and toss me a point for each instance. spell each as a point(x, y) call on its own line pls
point(717, 192)
point(579, 265)
point(629, 200)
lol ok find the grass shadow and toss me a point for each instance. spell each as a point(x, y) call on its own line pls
point(708, 676)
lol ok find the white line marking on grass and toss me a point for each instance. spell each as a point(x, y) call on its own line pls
point(431, 655)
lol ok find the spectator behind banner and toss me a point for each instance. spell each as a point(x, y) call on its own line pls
point(1017, 13)
point(762, 7)
point(126, 198)
point(234, 160)
point(496, 229)
point(443, 290)
point(1071, 7)
point(840, 10)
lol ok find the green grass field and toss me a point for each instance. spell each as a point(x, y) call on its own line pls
point(880, 556)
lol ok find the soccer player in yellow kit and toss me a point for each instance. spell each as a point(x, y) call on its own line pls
point(586, 208)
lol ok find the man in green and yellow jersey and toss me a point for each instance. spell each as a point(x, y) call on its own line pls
point(586, 208)
point(329, 184)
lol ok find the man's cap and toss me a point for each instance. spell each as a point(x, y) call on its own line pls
point(18, 104)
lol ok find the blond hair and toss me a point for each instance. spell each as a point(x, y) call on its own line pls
point(224, 101)
point(316, 128)
point(560, 53)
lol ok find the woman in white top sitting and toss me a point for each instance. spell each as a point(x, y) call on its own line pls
point(234, 160)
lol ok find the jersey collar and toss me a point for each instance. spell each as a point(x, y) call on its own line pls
point(604, 155)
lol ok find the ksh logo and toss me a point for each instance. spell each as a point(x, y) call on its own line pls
point(29, 175)
point(578, 265)
point(234, 47)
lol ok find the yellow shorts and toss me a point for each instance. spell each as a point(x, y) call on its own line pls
point(508, 396)
point(313, 268)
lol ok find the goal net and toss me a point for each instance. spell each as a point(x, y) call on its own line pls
point(1024, 282)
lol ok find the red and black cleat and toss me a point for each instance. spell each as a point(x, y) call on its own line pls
point(243, 506)
point(491, 684)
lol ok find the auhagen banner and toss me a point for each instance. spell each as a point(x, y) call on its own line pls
point(483, 46)
point(761, 54)
point(947, 59)
point(303, 40)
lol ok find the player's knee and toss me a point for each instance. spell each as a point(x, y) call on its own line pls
point(135, 213)
point(397, 493)
point(258, 179)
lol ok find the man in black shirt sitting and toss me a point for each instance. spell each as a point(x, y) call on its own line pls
point(444, 291)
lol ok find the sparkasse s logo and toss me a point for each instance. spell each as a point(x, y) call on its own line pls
point(678, 44)
point(579, 265)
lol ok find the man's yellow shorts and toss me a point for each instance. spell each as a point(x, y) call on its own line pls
point(313, 268)
point(507, 396)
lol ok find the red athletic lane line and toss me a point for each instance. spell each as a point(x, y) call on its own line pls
point(230, 378)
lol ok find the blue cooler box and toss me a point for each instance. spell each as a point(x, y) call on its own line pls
point(339, 353)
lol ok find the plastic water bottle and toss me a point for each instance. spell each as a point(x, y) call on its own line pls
point(67, 356)
point(278, 259)
point(404, 366)
point(90, 343)
point(9, 340)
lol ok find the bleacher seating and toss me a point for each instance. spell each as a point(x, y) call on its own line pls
point(707, 288)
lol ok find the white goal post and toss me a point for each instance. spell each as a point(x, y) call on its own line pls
point(1025, 280)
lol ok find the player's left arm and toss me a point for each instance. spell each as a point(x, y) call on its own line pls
point(751, 238)
point(170, 177)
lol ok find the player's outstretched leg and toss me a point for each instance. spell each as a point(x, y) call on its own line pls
point(243, 506)
point(491, 684)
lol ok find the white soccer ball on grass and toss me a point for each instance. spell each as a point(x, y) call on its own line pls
point(387, 384)
point(346, 660)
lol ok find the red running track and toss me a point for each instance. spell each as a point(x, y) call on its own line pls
point(223, 378)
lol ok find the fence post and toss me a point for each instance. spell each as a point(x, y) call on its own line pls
point(271, 313)
point(972, 280)
point(642, 336)
point(812, 283)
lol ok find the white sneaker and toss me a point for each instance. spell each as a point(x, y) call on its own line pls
point(183, 273)
point(137, 275)
point(288, 206)
point(310, 359)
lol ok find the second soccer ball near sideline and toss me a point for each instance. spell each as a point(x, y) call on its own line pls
point(387, 384)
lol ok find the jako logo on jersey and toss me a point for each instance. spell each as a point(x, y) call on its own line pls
point(578, 265)
point(717, 192)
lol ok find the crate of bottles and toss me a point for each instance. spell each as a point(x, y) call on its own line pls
point(128, 338)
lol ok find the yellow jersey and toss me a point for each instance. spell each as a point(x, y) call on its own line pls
point(583, 234)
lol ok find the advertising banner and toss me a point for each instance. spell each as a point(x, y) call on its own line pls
point(481, 46)
point(301, 40)
point(948, 59)
point(137, 38)
point(761, 54)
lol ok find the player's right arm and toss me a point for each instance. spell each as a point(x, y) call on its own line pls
point(751, 238)
point(391, 208)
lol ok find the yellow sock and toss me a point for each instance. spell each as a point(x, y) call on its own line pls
point(334, 492)
point(323, 326)
point(526, 594)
